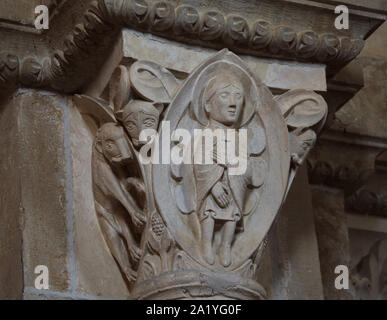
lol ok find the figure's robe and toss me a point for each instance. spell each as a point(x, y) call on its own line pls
point(194, 193)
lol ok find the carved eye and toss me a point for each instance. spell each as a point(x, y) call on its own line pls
point(109, 145)
point(238, 96)
point(224, 95)
point(149, 122)
point(130, 126)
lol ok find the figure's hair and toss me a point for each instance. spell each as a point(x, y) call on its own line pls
point(217, 83)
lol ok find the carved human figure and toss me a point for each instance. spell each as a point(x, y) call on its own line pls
point(221, 197)
point(120, 216)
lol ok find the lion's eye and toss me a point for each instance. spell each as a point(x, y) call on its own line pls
point(149, 122)
point(130, 125)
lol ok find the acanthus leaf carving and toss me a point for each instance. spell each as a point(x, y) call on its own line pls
point(213, 25)
point(162, 16)
point(187, 20)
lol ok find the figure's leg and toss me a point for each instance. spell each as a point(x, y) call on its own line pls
point(118, 249)
point(135, 253)
point(207, 235)
point(225, 248)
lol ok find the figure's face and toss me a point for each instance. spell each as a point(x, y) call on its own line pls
point(115, 146)
point(138, 121)
point(225, 106)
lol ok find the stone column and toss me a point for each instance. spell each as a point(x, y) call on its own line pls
point(294, 248)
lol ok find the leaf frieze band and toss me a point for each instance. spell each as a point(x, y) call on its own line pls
point(210, 27)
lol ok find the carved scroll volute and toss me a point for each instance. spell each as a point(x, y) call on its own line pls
point(119, 88)
point(305, 113)
point(153, 82)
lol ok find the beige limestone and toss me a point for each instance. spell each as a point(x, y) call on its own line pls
point(333, 241)
point(294, 248)
point(96, 271)
point(44, 187)
point(11, 267)
point(184, 58)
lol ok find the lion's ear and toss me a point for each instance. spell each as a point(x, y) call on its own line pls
point(303, 109)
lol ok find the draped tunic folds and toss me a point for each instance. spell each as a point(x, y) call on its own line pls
point(206, 176)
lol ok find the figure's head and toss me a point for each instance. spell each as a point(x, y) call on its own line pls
point(139, 115)
point(112, 143)
point(224, 98)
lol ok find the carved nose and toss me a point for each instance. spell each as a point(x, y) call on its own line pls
point(124, 149)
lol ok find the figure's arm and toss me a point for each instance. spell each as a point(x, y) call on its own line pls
point(114, 188)
point(220, 195)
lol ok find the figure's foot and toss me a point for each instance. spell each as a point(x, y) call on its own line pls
point(225, 256)
point(208, 254)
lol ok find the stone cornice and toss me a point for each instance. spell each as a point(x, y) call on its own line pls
point(204, 26)
point(365, 192)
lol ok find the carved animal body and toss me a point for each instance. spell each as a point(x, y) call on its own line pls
point(115, 205)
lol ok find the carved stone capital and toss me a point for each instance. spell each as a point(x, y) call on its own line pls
point(195, 228)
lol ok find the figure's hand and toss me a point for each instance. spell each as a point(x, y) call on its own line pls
point(220, 195)
point(138, 219)
point(135, 253)
point(131, 275)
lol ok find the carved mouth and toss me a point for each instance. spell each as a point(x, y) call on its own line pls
point(232, 110)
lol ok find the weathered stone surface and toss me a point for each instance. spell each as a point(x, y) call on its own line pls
point(376, 43)
point(183, 59)
point(369, 264)
point(178, 235)
point(365, 114)
point(332, 236)
point(69, 194)
point(294, 248)
point(11, 268)
point(96, 271)
point(22, 12)
point(44, 185)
